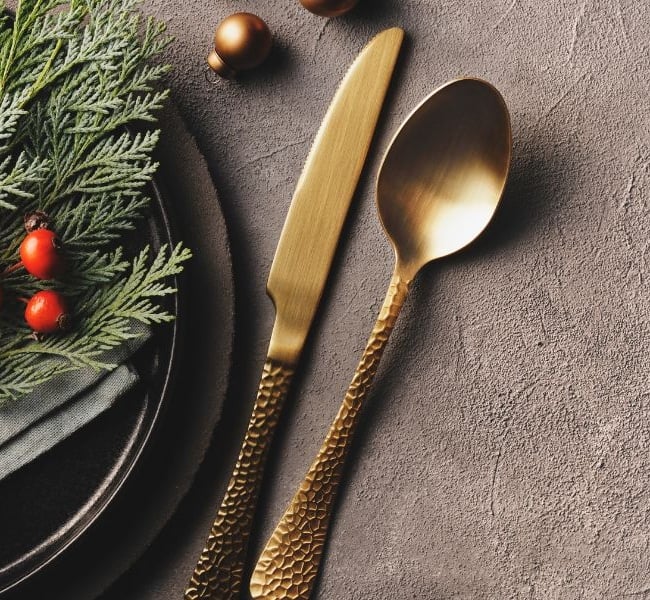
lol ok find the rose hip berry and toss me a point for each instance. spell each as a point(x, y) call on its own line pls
point(41, 253)
point(46, 312)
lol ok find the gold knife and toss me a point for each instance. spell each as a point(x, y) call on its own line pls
point(298, 275)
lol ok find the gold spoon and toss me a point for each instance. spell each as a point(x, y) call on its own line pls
point(438, 187)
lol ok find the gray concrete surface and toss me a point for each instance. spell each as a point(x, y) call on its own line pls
point(504, 452)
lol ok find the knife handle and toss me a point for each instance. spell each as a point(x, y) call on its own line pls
point(220, 569)
point(288, 566)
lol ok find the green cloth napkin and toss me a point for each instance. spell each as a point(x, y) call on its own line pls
point(36, 422)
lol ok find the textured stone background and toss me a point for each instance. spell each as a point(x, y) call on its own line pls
point(504, 453)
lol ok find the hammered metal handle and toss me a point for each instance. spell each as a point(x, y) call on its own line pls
point(288, 566)
point(219, 572)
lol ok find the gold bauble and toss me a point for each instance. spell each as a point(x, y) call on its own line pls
point(329, 8)
point(242, 41)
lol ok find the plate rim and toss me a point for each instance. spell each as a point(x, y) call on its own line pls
point(121, 481)
point(80, 522)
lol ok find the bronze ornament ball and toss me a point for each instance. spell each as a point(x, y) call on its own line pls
point(329, 8)
point(242, 41)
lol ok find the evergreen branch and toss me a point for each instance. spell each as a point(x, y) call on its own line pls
point(85, 271)
point(74, 78)
point(106, 316)
point(97, 220)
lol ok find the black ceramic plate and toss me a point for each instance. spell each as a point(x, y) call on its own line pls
point(60, 503)
point(50, 502)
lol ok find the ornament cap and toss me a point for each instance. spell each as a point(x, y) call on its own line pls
point(219, 66)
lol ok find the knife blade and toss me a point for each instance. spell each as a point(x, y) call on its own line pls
point(324, 192)
point(296, 282)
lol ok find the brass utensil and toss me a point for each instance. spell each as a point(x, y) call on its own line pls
point(438, 187)
point(298, 275)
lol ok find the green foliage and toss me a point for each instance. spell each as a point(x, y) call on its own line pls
point(73, 75)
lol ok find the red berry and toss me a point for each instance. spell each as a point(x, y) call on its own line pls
point(41, 254)
point(46, 312)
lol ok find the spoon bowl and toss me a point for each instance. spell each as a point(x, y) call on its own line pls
point(444, 173)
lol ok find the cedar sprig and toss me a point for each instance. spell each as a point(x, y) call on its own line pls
point(105, 318)
point(78, 79)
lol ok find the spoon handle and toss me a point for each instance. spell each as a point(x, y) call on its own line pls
point(288, 566)
point(220, 569)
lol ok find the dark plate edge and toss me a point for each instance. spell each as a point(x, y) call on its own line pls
point(58, 568)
